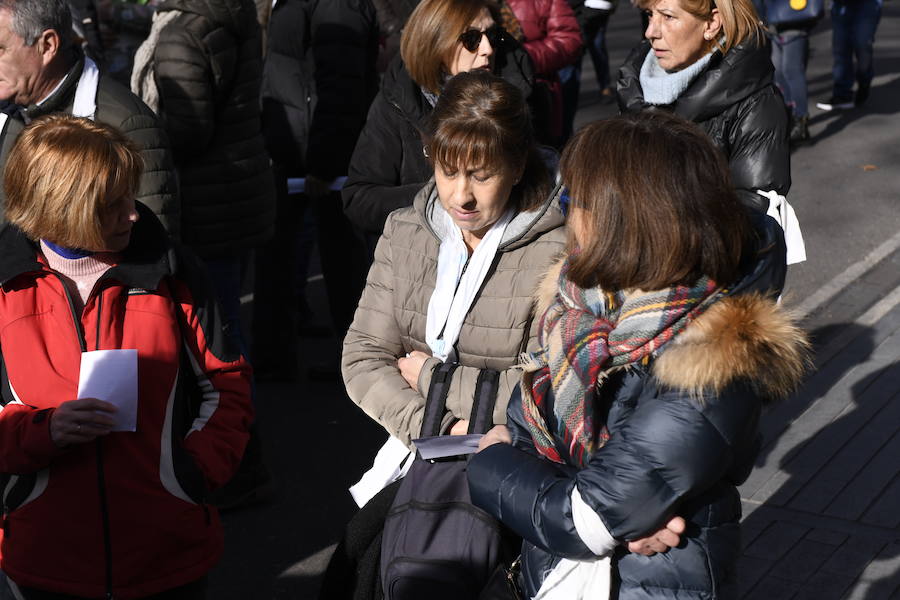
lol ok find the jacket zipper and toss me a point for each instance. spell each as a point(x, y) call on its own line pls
point(101, 478)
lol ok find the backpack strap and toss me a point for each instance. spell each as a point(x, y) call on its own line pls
point(436, 401)
point(486, 387)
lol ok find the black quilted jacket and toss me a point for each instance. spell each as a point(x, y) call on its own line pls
point(208, 66)
point(735, 101)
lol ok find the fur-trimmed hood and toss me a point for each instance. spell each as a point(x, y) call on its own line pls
point(743, 336)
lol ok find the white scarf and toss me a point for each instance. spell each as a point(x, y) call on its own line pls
point(454, 292)
point(662, 88)
point(459, 278)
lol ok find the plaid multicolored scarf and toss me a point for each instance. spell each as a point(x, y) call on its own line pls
point(585, 335)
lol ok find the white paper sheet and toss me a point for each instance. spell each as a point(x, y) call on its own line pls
point(112, 376)
point(442, 446)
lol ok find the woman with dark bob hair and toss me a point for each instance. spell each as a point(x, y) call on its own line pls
point(709, 62)
point(104, 491)
point(441, 39)
point(660, 342)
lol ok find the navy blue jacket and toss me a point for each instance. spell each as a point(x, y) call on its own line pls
point(683, 436)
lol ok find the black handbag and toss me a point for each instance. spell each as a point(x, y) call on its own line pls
point(437, 544)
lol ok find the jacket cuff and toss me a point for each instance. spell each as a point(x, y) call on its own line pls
point(424, 381)
point(37, 441)
point(590, 527)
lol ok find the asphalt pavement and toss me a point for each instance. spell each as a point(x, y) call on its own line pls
point(822, 507)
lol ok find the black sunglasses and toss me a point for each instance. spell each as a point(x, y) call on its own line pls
point(471, 38)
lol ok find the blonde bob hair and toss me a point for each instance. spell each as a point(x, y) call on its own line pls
point(430, 39)
point(740, 21)
point(62, 174)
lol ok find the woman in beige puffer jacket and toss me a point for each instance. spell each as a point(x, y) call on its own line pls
point(390, 320)
point(482, 232)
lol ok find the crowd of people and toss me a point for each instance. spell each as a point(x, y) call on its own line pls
point(590, 318)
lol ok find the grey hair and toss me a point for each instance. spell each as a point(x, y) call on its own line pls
point(30, 18)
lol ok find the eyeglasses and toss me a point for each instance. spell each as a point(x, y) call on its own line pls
point(471, 38)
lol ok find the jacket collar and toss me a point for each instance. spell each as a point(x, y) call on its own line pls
point(148, 258)
point(728, 79)
point(62, 96)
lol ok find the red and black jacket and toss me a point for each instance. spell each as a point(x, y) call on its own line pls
point(123, 516)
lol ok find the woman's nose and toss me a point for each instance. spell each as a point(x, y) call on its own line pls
point(461, 190)
point(484, 47)
point(652, 31)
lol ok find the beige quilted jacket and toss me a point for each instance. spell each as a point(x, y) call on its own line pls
point(390, 319)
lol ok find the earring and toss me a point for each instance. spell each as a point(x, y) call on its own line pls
point(425, 151)
point(706, 36)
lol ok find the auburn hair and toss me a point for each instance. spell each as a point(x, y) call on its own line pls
point(430, 38)
point(62, 173)
point(657, 205)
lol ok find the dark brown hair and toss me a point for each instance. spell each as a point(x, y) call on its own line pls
point(61, 175)
point(659, 207)
point(430, 37)
point(482, 121)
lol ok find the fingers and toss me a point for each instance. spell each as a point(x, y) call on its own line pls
point(660, 541)
point(418, 354)
point(80, 421)
point(676, 525)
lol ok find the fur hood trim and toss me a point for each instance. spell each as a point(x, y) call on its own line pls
point(746, 337)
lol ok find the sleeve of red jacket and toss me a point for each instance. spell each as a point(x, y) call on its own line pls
point(219, 433)
point(561, 45)
point(25, 442)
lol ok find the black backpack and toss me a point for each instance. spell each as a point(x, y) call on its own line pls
point(436, 544)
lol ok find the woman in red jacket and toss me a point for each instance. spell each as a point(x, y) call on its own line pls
point(96, 504)
point(553, 41)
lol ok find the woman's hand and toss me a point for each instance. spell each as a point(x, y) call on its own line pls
point(661, 540)
point(461, 427)
point(410, 366)
point(80, 421)
point(499, 434)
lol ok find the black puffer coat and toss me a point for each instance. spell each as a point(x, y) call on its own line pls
point(388, 165)
point(683, 435)
point(208, 67)
point(735, 101)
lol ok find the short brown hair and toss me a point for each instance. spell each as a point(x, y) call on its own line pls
point(739, 19)
point(483, 121)
point(62, 173)
point(430, 38)
point(659, 206)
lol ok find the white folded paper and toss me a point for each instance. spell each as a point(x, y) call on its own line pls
point(112, 376)
point(442, 446)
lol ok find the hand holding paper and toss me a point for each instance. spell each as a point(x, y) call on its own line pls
point(81, 421)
